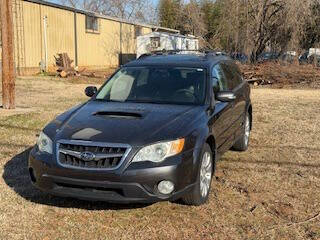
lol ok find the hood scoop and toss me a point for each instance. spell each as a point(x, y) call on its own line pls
point(114, 114)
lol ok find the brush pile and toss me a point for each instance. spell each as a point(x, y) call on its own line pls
point(64, 64)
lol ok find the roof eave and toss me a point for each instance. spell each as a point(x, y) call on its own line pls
point(76, 10)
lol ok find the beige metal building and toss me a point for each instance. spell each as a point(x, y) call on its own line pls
point(93, 41)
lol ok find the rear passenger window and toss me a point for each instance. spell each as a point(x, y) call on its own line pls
point(232, 74)
point(237, 73)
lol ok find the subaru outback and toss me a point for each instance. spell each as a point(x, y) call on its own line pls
point(154, 131)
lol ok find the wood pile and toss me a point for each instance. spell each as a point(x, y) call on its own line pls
point(63, 62)
point(280, 75)
point(255, 79)
point(253, 75)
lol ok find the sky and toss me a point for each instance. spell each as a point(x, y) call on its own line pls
point(155, 2)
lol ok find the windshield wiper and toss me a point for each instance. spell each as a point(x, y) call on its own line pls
point(147, 101)
point(107, 100)
point(144, 101)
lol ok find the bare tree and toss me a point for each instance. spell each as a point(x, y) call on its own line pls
point(265, 20)
point(191, 19)
point(136, 10)
point(252, 26)
point(297, 15)
point(186, 17)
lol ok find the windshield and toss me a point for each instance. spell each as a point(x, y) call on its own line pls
point(155, 85)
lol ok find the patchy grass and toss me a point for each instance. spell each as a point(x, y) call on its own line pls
point(272, 191)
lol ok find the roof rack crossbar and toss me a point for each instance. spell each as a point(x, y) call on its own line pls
point(205, 51)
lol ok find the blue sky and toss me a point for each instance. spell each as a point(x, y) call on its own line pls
point(155, 2)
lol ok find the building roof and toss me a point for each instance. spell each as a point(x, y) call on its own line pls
point(55, 5)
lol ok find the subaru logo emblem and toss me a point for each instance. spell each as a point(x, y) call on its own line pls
point(87, 156)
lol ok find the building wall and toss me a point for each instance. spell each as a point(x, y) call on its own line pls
point(60, 34)
point(95, 50)
point(33, 43)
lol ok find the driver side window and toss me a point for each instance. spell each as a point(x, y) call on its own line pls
point(219, 82)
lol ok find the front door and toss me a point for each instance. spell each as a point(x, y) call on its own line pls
point(222, 116)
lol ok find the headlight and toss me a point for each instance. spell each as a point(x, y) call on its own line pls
point(44, 143)
point(159, 151)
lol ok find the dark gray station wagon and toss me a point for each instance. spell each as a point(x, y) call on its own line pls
point(152, 132)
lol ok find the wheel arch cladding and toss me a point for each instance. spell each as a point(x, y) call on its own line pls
point(200, 135)
point(250, 115)
point(212, 143)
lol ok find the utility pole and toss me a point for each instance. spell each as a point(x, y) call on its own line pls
point(8, 73)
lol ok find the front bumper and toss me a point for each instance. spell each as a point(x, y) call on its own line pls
point(134, 183)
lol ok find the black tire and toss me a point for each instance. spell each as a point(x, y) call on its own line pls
point(243, 142)
point(194, 197)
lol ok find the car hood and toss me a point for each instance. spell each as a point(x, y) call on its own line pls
point(129, 123)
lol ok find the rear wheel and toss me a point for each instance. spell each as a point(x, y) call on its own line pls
point(243, 142)
point(200, 193)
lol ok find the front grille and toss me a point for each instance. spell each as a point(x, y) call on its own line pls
point(90, 155)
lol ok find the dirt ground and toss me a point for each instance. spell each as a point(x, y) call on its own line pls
point(272, 191)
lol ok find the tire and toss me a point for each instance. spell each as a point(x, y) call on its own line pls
point(243, 142)
point(198, 195)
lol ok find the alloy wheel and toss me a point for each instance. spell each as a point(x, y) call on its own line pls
point(205, 174)
point(247, 130)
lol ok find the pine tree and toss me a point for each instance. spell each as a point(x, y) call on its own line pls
point(169, 13)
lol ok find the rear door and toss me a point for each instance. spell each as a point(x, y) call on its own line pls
point(236, 83)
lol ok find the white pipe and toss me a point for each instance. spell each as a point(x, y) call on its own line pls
point(45, 42)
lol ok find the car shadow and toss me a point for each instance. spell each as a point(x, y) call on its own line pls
point(16, 176)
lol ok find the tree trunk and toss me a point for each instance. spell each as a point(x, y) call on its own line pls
point(8, 75)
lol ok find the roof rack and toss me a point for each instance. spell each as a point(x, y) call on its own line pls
point(207, 52)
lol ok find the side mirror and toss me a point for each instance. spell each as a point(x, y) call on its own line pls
point(225, 96)
point(90, 91)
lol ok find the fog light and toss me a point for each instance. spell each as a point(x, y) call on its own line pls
point(166, 187)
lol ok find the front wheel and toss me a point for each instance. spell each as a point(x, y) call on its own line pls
point(243, 142)
point(200, 193)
